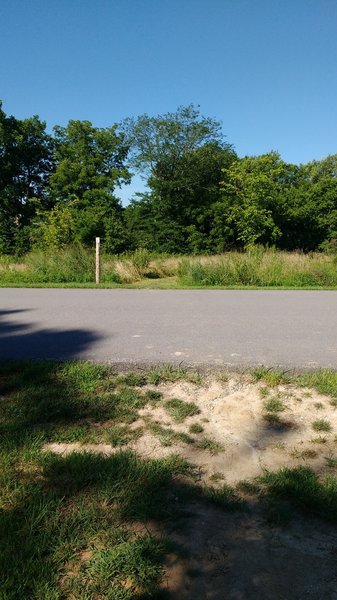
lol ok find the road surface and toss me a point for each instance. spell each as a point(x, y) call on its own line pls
point(289, 329)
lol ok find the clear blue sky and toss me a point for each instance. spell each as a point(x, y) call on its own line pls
point(266, 68)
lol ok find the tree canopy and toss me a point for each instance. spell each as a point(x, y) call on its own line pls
point(62, 188)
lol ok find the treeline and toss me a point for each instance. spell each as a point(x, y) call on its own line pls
point(62, 188)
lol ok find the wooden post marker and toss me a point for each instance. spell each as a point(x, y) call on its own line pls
point(98, 241)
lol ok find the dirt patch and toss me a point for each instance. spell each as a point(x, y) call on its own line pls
point(240, 557)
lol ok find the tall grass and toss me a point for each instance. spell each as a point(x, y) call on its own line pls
point(258, 268)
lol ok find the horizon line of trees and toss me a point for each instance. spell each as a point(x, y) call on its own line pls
point(60, 188)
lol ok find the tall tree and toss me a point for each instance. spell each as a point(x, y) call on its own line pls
point(182, 154)
point(251, 196)
point(90, 164)
point(26, 161)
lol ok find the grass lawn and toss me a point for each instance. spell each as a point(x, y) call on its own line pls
point(87, 525)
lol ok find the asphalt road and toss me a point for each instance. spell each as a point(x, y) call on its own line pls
point(197, 327)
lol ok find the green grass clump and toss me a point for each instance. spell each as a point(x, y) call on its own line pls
point(226, 497)
point(131, 379)
point(121, 572)
point(321, 425)
point(169, 373)
point(180, 410)
point(121, 435)
point(196, 428)
point(324, 381)
point(273, 405)
point(304, 490)
point(319, 440)
point(272, 377)
point(304, 454)
point(168, 436)
point(331, 461)
point(211, 445)
point(153, 397)
point(272, 418)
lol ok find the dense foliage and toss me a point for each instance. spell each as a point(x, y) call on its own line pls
point(60, 189)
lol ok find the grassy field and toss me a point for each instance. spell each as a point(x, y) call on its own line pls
point(84, 525)
point(74, 267)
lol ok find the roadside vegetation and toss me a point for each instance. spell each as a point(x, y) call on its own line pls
point(59, 190)
point(258, 268)
point(101, 472)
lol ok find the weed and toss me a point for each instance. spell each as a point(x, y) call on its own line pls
point(248, 487)
point(304, 454)
point(272, 378)
point(264, 392)
point(304, 490)
point(216, 477)
point(318, 405)
point(134, 567)
point(226, 497)
point(153, 396)
point(222, 376)
point(169, 373)
point(324, 381)
point(319, 440)
point(131, 379)
point(273, 405)
point(180, 410)
point(331, 461)
point(168, 436)
point(272, 419)
point(120, 435)
point(196, 428)
point(211, 445)
point(321, 425)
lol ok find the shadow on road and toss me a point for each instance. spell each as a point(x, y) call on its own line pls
point(24, 341)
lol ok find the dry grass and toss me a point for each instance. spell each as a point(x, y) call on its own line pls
point(259, 268)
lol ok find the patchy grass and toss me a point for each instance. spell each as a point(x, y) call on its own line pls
point(70, 525)
point(180, 410)
point(322, 425)
point(272, 377)
point(169, 373)
point(319, 440)
point(168, 436)
point(77, 526)
point(120, 435)
point(304, 454)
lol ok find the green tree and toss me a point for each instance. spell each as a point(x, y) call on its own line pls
point(26, 161)
point(183, 155)
point(251, 198)
point(90, 164)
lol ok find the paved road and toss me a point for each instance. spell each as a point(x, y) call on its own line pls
point(199, 327)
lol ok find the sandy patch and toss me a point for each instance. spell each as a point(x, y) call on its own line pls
point(232, 414)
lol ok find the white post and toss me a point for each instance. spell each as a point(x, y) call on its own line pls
point(98, 240)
